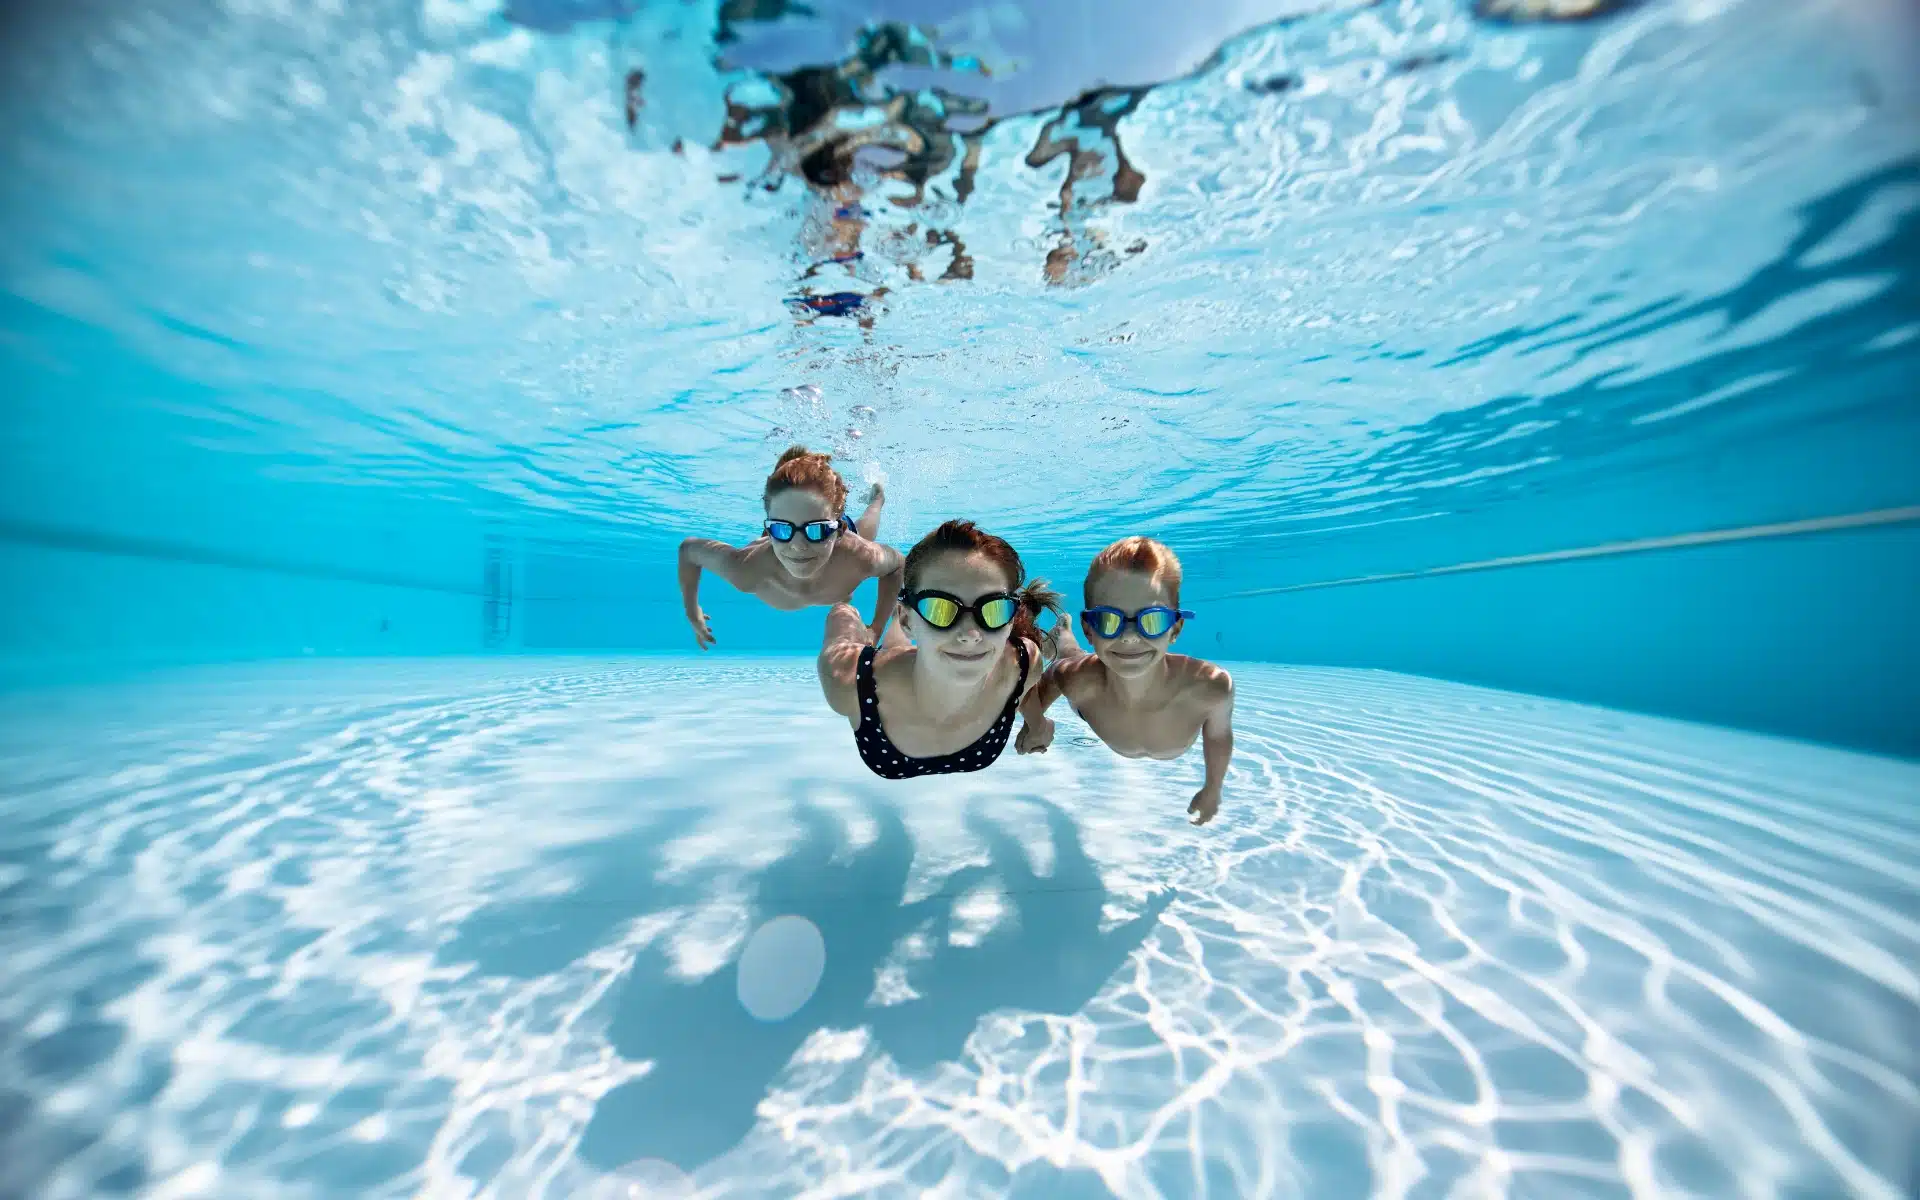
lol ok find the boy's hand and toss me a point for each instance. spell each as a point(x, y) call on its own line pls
point(1206, 802)
point(1035, 736)
point(702, 632)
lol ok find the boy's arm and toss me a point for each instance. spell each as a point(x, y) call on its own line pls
point(1216, 741)
point(1040, 696)
point(696, 555)
point(891, 570)
point(1036, 727)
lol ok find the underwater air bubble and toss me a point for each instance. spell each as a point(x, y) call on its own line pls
point(780, 968)
point(653, 1179)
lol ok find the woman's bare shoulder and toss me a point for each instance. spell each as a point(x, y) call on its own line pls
point(894, 663)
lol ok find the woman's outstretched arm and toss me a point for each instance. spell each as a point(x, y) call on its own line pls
point(890, 569)
point(1043, 688)
point(847, 635)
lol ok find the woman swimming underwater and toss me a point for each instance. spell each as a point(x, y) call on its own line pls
point(946, 703)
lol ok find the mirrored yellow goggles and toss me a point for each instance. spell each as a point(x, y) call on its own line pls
point(941, 610)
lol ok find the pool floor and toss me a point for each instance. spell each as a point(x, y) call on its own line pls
point(573, 927)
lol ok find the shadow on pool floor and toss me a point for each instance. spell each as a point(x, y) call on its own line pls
point(713, 1062)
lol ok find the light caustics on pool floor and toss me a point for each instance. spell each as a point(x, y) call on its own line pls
point(507, 930)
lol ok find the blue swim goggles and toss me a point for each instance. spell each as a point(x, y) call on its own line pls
point(1110, 623)
point(816, 531)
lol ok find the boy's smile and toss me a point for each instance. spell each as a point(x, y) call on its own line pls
point(1130, 654)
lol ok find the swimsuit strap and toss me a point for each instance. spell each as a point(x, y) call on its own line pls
point(865, 689)
point(1019, 689)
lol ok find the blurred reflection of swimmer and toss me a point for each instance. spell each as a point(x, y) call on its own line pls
point(636, 81)
point(909, 136)
point(834, 239)
point(959, 267)
point(809, 306)
point(734, 12)
point(832, 229)
point(800, 126)
point(900, 135)
point(1088, 133)
point(1521, 11)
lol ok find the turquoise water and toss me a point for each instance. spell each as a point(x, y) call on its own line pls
point(1531, 402)
point(346, 298)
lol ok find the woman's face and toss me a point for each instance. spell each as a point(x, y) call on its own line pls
point(802, 559)
point(965, 648)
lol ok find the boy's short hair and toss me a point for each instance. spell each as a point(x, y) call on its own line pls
point(800, 467)
point(1142, 554)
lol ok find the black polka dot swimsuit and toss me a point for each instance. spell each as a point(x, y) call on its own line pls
point(878, 752)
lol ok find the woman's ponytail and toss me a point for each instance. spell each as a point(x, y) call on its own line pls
point(1035, 598)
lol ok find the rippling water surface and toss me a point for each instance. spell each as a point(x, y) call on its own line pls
point(1355, 258)
point(500, 930)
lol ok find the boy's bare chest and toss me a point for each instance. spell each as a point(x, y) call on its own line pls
point(770, 582)
point(1165, 730)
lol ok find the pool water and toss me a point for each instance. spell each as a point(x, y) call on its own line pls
point(1528, 389)
point(487, 930)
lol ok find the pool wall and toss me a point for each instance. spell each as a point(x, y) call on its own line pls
point(125, 545)
point(1809, 636)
